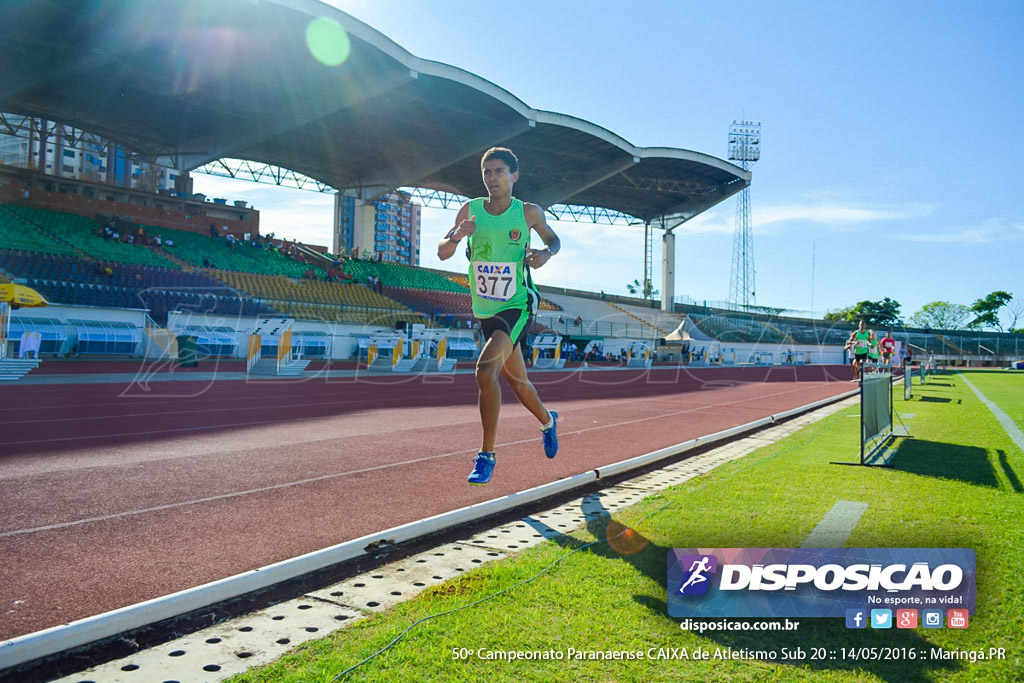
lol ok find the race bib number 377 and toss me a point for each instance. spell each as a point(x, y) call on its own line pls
point(494, 281)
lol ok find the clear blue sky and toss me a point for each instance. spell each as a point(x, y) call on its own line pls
point(890, 135)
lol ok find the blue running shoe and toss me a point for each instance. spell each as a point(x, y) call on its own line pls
point(483, 465)
point(551, 436)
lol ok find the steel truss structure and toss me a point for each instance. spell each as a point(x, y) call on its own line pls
point(744, 147)
point(44, 131)
point(269, 174)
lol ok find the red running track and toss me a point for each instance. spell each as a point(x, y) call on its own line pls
point(110, 495)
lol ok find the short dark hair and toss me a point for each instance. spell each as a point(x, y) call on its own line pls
point(503, 153)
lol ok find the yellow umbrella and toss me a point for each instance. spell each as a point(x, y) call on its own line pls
point(20, 295)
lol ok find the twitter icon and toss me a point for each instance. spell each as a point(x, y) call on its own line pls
point(881, 618)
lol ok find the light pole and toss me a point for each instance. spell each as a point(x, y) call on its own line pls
point(744, 147)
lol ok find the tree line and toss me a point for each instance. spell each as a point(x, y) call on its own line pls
point(983, 314)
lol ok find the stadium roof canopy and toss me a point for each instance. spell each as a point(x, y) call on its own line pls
point(191, 81)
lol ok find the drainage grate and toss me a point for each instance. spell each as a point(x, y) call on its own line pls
point(224, 650)
point(399, 581)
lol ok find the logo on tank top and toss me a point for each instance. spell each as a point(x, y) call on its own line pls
point(481, 250)
point(515, 234)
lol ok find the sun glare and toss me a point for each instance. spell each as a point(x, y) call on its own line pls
point(327, 41)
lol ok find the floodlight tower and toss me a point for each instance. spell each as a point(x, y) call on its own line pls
point(744, 147)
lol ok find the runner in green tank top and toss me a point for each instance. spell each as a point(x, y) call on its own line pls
point(873, 349)
point(497, 248)
point(497, 229)
point(857, 345)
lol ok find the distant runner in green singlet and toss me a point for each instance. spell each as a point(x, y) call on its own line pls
point(873, 349)
point(858, 345)
point(497, 229)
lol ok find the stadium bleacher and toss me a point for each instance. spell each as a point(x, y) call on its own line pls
point(15, 236)
point(665, 322)
point(397, 275)
point(76, 281)
point(739, 328)
point(598, 318)
point(320, 300)
point(198, 250)
point(81, 234)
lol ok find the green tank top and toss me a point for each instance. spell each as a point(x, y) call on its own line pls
point(861, 341)
point(873, 349)
point(497, 278)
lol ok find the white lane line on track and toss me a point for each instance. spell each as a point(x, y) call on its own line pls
point(46, 404)
point(325, 477)
point(240, 403)
point(236, 408)
point(235, 494)
point(244, 424)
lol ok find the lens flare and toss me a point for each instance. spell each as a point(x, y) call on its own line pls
point(327, 41)
point(625, 540)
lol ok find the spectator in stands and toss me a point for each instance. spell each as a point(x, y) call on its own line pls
point(206, 263)
point(497, 230)
point(579, 321)
point(310, 274)
point(168, 243)
point(158, 242)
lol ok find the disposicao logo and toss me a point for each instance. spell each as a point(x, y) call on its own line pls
point(822, 582)
point(696, 580)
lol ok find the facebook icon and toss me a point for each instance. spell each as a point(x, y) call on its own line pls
point(856, 618)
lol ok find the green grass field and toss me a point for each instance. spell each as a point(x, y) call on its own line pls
point(954, 483)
